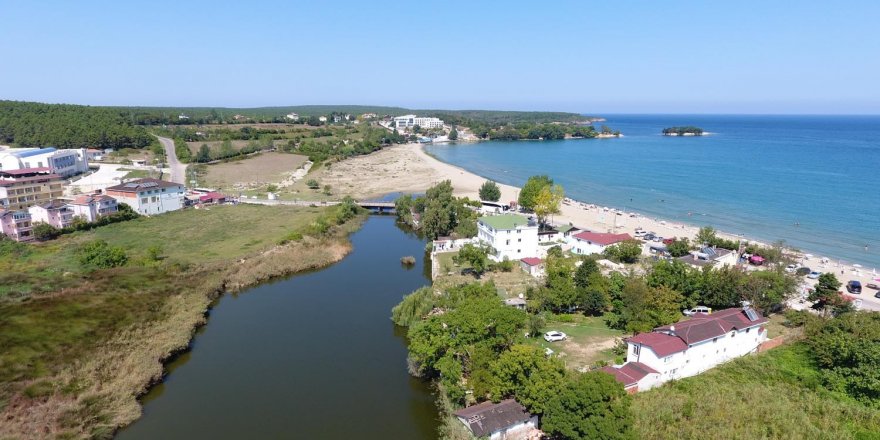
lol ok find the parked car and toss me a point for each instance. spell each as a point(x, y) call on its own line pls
point(791, 268)
point(697, 309)
point(872, 286)
point(803, 271)
point(814, 275)
point(648, 237)
point(854, 287)
point(658, 239)
point(553, 336)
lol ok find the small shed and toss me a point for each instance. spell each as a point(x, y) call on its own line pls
point(506, 420)
point(212, 197)
point(532, 266)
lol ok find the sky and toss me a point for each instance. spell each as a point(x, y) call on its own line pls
point(798, 57)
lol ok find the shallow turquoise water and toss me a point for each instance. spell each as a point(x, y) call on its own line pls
point(812, 181)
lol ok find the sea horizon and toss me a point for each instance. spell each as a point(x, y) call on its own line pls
point(763, 177)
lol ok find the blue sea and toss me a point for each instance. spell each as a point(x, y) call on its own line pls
point(812, 181)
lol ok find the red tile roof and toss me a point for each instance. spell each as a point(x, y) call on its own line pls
point(701, 326)
point(531, 261)
point(630, 373)
point(602, 238)
point(27, 171)
point(662, 344)
point(674, 338)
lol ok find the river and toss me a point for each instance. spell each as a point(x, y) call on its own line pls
point(314, 355)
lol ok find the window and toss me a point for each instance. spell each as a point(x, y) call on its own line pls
point(667, 359)
point(518, 251)
point(747, 330)
point(507, 242)
point(733, 334)
point(714, 339)
point(519, 240)
point(144, 200)
point(636, 349)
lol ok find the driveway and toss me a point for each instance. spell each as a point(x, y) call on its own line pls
point(178, 170)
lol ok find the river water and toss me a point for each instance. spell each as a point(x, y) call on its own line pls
point(314, 355)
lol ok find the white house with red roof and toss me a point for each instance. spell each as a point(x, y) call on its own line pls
point(92, 206)
point(692, 346)
point(533, 266)
point(587, 243)
point(635, 376)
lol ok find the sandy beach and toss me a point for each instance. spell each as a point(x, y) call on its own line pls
point(407, 168)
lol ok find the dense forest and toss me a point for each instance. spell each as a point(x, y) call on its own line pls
point(29, 124)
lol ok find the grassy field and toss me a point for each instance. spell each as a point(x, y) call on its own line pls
point(774, 395)
point(263, 169)
point(63, 324)
point(589, 340)
point(509, 284)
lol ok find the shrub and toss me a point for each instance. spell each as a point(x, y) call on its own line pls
point(313, 184)
point(45, 231)
point(99, 254)
point(409, 260)
point(291, 236)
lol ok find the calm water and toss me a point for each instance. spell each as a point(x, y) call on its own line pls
point(755, 175)
point(311, 356)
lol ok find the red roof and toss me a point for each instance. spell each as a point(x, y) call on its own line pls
point(701, 326)
point(28, 171)
point(601, 238)
point(662, 344)
point(213, 195)
point(531, 261)
point(630, 373)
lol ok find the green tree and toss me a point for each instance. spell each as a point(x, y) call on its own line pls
point(645, 308)
point(44, 231)
point(524, 372)
point(706, 236)
point(847, 350)
point(547, 202)
point(453, 134)
point(679, 247)
point(531, 189)
point(627, 251)
point(593, 406)
point(583, 273)
point(489, 191)
point(476, 257)
point(204, 154)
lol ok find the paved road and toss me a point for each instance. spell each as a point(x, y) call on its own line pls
point(178, 170)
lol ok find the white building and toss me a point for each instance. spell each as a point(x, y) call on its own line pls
point(510, 236)
point(91, 207)
point(587, 243)
point(149, 196)
point(710, 256)
point(410, 121)
point(292, 117)
point(62, 162)
point(55, 212)
point(695, 345)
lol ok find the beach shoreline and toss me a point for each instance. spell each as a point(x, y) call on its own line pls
point(409, 168)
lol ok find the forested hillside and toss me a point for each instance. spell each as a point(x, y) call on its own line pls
point(30, 124)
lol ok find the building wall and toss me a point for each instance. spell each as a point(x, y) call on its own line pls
point(582, 247)
point(59, 218)
point(17, 225)
point(701, 356)
point(519, 431)
point(153, 201)
point(513, 244)
point(24, 194)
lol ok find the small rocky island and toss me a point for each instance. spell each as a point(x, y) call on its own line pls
point(683, 131)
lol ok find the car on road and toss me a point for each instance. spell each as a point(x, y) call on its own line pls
point(553, 336)
point(854, 287)
point(697, 309)
point(814, 275)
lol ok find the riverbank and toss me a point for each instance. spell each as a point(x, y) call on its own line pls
point(115, 328)
point(408, 168)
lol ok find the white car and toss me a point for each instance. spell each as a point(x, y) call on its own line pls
point(697, 309)
point(553, 336)
point(814, 275)
point(791, 268)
